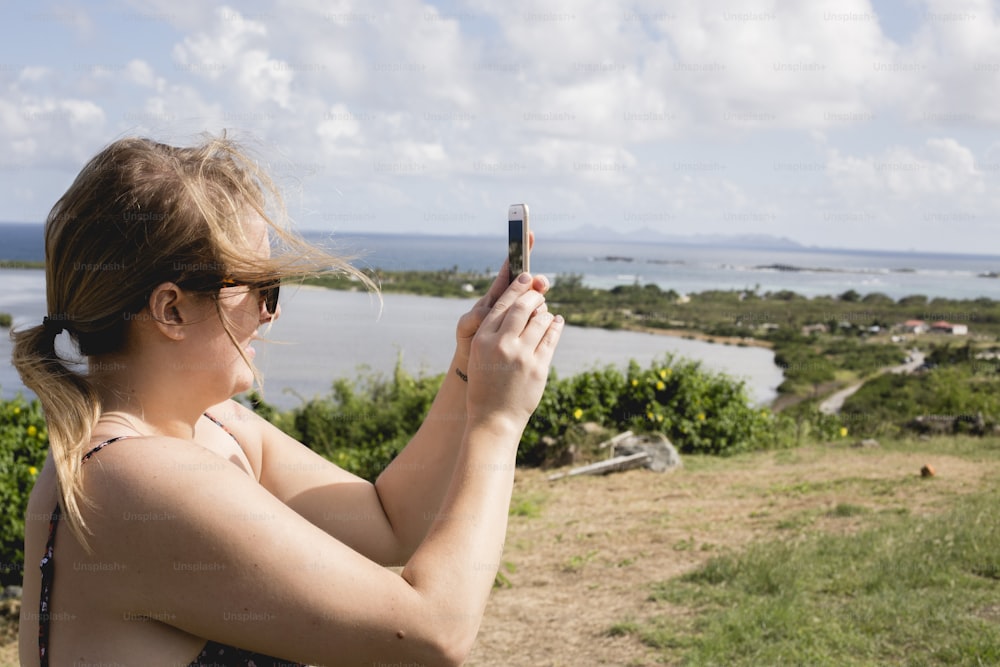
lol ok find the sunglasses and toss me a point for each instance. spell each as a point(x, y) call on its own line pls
point(268, 291)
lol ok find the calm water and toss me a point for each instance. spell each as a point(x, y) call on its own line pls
point(325, 334)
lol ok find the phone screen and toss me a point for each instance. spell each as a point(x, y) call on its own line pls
point(516, 248)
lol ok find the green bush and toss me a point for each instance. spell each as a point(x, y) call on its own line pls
point(697, 410)
point(24, 441)
point(954, 395)
point(362, 425)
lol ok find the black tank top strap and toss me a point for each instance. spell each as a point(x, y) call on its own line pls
point(48, 569)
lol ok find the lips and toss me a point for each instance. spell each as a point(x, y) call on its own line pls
point(248, 349)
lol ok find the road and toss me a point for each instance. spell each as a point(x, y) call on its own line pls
point(835, 401)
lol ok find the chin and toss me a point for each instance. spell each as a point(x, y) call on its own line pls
point(242, 385)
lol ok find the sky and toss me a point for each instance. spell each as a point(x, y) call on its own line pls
point(845, 124)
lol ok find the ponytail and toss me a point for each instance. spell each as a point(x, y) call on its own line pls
point(71, 408)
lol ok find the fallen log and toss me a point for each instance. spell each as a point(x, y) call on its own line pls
point(653, 451)
point(616, 464)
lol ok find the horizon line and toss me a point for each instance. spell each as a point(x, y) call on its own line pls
point(789, 245)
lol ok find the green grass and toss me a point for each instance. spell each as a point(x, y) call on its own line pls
point(905, 591)
point(527, 505)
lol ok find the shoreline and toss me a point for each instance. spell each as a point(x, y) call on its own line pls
point(692, 334)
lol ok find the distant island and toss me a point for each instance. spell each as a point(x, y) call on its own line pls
point(598, 234)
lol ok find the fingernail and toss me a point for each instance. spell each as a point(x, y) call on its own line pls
point(524, 278)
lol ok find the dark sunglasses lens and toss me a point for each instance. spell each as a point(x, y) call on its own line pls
point(270, 295)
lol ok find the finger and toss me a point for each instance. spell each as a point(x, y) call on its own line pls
point(520, 313)
point(540, 284)
point(500, 283)
point(546, 347)
point(536, 327)
point(498, 313)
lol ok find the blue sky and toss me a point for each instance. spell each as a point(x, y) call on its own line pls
point(849, 124)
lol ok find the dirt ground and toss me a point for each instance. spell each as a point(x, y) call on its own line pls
point(588, 559)
point(583, 552)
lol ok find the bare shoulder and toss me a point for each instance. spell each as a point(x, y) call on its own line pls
point(204, 545)
point(243, 424)
point(155, 474)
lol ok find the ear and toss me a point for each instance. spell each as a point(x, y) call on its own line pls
point(170, 308)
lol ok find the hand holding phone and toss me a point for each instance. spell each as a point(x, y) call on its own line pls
point(518, 246)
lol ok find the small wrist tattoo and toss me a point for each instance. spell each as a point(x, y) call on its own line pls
point(459, 373)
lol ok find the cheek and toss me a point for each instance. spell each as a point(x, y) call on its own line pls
point(243, 317)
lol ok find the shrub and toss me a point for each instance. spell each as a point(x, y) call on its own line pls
point(23, 444)
point(363, 424)
point(699, 411)
point(955, 394)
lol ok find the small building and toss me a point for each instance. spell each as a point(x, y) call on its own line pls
point(914, 326)
point(949, 328)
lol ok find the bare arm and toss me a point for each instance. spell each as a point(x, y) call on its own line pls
point(388, 520)
point(413, 486)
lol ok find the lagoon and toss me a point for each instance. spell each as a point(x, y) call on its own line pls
point(327, 334)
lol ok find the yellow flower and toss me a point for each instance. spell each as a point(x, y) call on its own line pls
point(649, 416)
point(660, 386)
point(17, 411)
point(577, 413)
point(701, 416)
point(659, 418)
point(33, 471)
point(663, 373)
point(32, 431)
point(635, 383)
point(843, 431)
point(668, 371)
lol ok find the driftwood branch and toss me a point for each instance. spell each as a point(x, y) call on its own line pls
point(653, 451)
point(616, 464)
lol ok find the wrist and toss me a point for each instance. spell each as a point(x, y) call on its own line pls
point(494, 428)
point(460, 366)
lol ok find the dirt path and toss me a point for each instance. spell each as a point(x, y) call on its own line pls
point(833, 404)
point(582, 552)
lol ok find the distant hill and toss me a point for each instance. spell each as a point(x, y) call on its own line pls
point(595, 233)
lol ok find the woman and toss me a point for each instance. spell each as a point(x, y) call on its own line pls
point(176, 527)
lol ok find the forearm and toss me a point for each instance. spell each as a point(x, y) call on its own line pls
point(413, 486)
point(455, 566)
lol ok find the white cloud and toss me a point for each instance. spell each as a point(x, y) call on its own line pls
point(227, 56)
point(140, 73)
point(677, 112)
point(940, 167)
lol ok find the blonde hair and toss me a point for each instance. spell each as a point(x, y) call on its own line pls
point(139, 214)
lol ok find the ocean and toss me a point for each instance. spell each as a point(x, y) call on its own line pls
point(684, 268)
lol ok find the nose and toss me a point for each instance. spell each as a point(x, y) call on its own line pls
point(267, 317)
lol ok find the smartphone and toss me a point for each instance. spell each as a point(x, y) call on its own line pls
point(517, 239)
